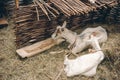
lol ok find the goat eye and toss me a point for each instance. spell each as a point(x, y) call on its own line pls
point(62, 29)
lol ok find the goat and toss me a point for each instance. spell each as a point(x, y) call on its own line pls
point(86, 64)
point(79, 42)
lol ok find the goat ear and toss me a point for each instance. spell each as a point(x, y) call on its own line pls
point(64, 24)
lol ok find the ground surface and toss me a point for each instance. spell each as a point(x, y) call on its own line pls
point(47, 65)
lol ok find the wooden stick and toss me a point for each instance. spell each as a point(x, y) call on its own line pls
point(43, 8)
point(22, 24)
point(51, 8)
point(72, 9)
point(47, 7)
point(28, 6)
point(23, 16)
point(37, 11)
point(50, 11)
point(75, 6)
point(61, 7)
point(17, 4)
point(23, 20)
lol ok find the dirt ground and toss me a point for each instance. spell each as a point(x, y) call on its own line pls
point(47, 65)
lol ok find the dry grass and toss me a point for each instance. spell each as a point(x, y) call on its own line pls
point(46, 66)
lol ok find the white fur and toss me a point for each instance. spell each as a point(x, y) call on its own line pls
point(102, 34)
point(81, 39)
point(86, 64)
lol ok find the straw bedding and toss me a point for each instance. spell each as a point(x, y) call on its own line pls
point(47, 65)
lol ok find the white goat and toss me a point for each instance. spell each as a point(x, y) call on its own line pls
point(79, 42)
point(85, 64)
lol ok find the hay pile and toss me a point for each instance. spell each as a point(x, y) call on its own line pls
point(46, 66)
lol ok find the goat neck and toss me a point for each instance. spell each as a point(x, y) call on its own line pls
point(69, 36)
